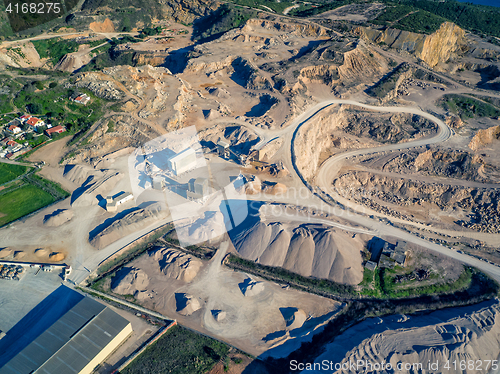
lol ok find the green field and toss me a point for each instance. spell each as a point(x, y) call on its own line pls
point(22, 201)
point(25, 195)
point(55, 48)
point(179, 351)
point(468, 107)
point(381, 284)
point(9, 172)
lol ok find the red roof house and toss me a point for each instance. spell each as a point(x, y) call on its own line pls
point(35, 122)
point(55, 130)
point(13, 129)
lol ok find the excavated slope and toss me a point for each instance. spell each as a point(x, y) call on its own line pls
point(132, 222)
point(485, 137)
point(481, 205)
point(315, 137)
point(436, 48)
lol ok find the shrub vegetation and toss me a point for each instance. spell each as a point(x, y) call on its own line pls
point(179, 351)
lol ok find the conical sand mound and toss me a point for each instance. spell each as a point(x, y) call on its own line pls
point(309, 250)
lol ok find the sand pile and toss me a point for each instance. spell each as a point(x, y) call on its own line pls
point(93, 183)
point(294, 317)
point(58, 217)
point(78, 174)
point(219, 315)
point(19, 255)
point(186, 304)
point(176, 264)
point(309, 250)
point(57, 256)
point(277, 170)
point(252, 186)
point(471, 336)
point(41, 252)
point(5, 252)
point(129, 281)
point(218, 92)
point(130, 223)
point(105, 26)
point(250, 287)
point(269, 150)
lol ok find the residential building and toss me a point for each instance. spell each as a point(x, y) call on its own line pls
point(24, 118)
point(81, 99)
point(55, 130)
point(14, 130)
point(35, 122)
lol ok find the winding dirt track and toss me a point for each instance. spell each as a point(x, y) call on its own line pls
point(328, 172)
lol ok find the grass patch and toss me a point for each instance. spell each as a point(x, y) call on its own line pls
point(53, 105)
point(278, 7)
point(111, 127)
point(179, 351)
point(468, 107)
point(22, 201)
point(27, 195)
point(421, 22)
point(223, 19)
point(9, 172)
point(55, 48)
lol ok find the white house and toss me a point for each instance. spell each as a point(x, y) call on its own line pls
point(13, 129)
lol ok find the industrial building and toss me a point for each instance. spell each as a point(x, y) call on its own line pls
point(76, 343)
point(182, 162)
point(112, 203)
point(223, 149)
point(197, 188)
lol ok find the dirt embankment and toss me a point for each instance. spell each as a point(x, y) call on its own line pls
point(485, 137)
point(443, 163)
point(474, 208)
point(128, 224)
point(448, 335)
point(104, 26)
point(434, 49)
point(23, 55)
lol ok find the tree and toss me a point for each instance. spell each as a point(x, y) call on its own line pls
point(34, 108)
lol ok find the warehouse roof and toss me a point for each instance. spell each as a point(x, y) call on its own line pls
point(185, 153)
point(71, 342)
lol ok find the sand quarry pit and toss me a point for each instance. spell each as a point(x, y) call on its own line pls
point(257, 316)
